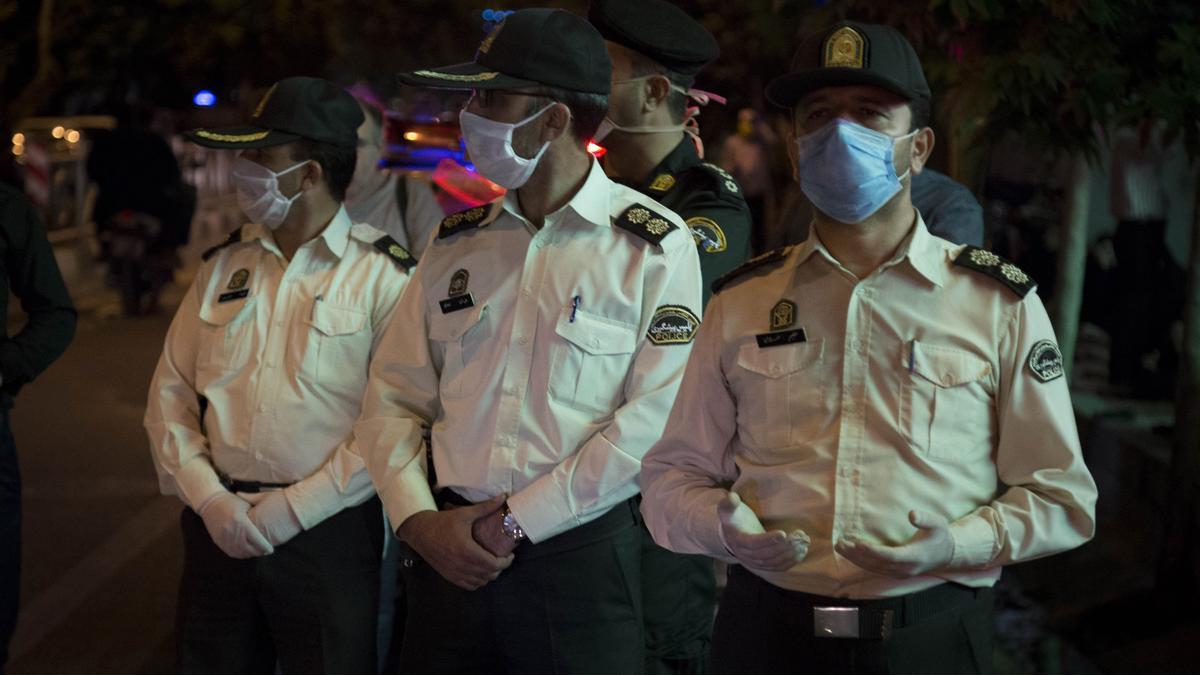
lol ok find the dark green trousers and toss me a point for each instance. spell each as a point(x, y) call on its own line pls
point(571, 604)
point(679, 598)
point(761, 628)
point(312, 604)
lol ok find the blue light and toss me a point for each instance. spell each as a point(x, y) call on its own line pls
point(489, 15)
point(205, 98)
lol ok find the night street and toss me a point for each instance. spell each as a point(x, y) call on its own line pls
point(102, 551)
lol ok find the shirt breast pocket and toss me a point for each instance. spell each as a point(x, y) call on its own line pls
point(781, 394)
point(590, 360)
point(339, 344)
point(946, 403)
point(228, 338)
point(461, 336)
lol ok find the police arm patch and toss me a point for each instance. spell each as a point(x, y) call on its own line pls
point(1046, 361)
point(708, 234)
point(673, 325)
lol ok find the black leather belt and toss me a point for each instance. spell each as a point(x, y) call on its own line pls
point(873, 619)
point(250, 486)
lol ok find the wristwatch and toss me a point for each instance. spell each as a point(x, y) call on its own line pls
point(509, 525)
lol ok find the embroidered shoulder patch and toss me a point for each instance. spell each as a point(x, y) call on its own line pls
point(643, 222)
point(1046, 361)
point(749, 266)
point(461, 221)
point(708, 234)
point(980, 260)
point(673, 325)
point(396, 252)
point(233, 238)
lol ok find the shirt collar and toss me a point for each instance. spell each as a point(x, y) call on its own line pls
point(590, 202)
point(336, 234)
point(684, 156)
point(920, 248)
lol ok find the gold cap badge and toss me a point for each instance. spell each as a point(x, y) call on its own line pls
point(843, 49)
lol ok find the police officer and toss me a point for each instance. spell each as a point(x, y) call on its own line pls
point(890, 408)
point(542, 337)
point(656, 51)
point(29, 272)
point(253, 402)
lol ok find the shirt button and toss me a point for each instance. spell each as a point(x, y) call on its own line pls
point(262, 407)
point(539, 243)
point(522, 340)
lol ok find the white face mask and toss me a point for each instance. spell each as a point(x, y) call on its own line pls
point(607, 126)
point(258, 194)
point(489, 144)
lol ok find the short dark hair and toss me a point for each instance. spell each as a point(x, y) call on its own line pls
point(587, 110)
point(920, 108)
point(677, 103)
point(337, 161)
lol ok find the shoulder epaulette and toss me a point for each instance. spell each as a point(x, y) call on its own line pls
point(461, 221)
point(975, 258)
point(726, 183)
point(233, 238)
point(395, 251)
point(749, 266)
point(645, 223)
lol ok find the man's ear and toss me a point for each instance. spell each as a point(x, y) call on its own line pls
point(558, 122)
point(657, 89)
point(311, 175)
point(922, 148)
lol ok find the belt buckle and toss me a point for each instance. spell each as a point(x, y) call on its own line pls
point(835, 622)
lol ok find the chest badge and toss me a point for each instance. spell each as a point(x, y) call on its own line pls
point(458, 283)
point(239, 279)
point(663, 182)
point(783, 315)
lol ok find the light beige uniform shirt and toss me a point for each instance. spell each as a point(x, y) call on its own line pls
point(527, 392)
point(913, 390)
point(280, 349)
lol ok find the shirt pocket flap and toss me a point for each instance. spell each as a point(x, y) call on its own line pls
point(335, 320)
point(221, 313)
point(945, 366)
point(779, 361)
point(451, 327)
point(596, 336)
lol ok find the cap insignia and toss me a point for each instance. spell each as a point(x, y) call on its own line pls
point(487, 41)
point(843, 49)
point(263, 103)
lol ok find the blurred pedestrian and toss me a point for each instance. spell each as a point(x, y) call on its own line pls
point(252, 405)
point(143, 210)
point(31, 274)
point(872, 422)
point(542, 338)
point(745, 153)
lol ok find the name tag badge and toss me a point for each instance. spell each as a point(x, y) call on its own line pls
point(457, 303)
point(235, 295)
point(778, 338)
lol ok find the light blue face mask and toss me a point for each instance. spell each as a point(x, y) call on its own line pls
point(847, 171)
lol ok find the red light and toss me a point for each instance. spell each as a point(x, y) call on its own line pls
point(596, 150)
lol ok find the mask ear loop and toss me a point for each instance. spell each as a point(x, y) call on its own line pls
point(699, 98)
